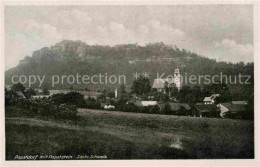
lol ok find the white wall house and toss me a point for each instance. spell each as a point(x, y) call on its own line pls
point(211, 99)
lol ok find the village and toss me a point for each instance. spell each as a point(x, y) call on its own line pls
point(132, 81)
point(161, 98)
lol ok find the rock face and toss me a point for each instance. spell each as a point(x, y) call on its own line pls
point(77, 50)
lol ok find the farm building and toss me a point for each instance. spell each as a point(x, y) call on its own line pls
point(180, 108)
point(233, 108)
point(152, 105)
point(177, 106)
point(206, 110)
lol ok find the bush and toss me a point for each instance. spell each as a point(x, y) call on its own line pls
point(182, 111)
point(66, 111)
point(44, 108)
point(93, 104)
point(167, 109)
point(129, 107)
point(72, 98)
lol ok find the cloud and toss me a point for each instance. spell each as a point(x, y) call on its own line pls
point(68, 18)
point(32, 35)
point(230, 50)
point(117, 33)
point(27, 37)
point(29, 28)
point(155, 31)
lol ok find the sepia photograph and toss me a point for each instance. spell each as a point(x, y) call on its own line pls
point(128, 82)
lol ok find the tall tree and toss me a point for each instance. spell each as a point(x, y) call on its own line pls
point(173, 90)
point(30, 92)
point(141, 86)
point(122, 89)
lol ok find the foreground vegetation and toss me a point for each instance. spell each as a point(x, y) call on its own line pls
point(120, 135)
point(54, 126)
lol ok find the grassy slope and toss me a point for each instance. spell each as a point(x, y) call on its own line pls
point(131, 136)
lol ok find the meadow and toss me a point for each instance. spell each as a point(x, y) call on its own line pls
point(123, 135)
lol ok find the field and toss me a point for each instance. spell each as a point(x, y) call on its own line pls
point(100, 134)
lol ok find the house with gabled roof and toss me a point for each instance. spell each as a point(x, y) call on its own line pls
point(177, 106)
point(151, 104)
point(211, 99)
point(206, 110)
point(233, 108)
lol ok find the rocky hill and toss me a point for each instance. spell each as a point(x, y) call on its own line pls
point(72, 57)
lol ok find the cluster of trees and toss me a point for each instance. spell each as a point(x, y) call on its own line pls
point(195, 94)
point(26, 92)
point(46, 107)
point(41, 107)
point(187, 94)
point(76, 99)
point(58, 106)
point(141, 86)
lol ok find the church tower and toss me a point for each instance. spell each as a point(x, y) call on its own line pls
point(177, 78)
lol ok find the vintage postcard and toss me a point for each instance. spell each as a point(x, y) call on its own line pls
point(129, 81)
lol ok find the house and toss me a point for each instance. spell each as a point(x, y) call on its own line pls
point(160, 83)
point(211, 99)
point(109, 107)
point(20, 94)
point(145, 103)
point(233, 107)
point(149, 103)
point(38, 90)
point(153, 105)
point(40, 96)
point(177, 106)
point(239, 102)
point(180, 108)
point(206, 110)
point(91, 94)
point(52, 92)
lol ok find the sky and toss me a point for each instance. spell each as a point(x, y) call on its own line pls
point(221, 32)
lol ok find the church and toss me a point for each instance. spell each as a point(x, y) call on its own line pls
point(159, 83)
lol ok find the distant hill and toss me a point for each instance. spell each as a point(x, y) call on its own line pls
point(72, 57)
